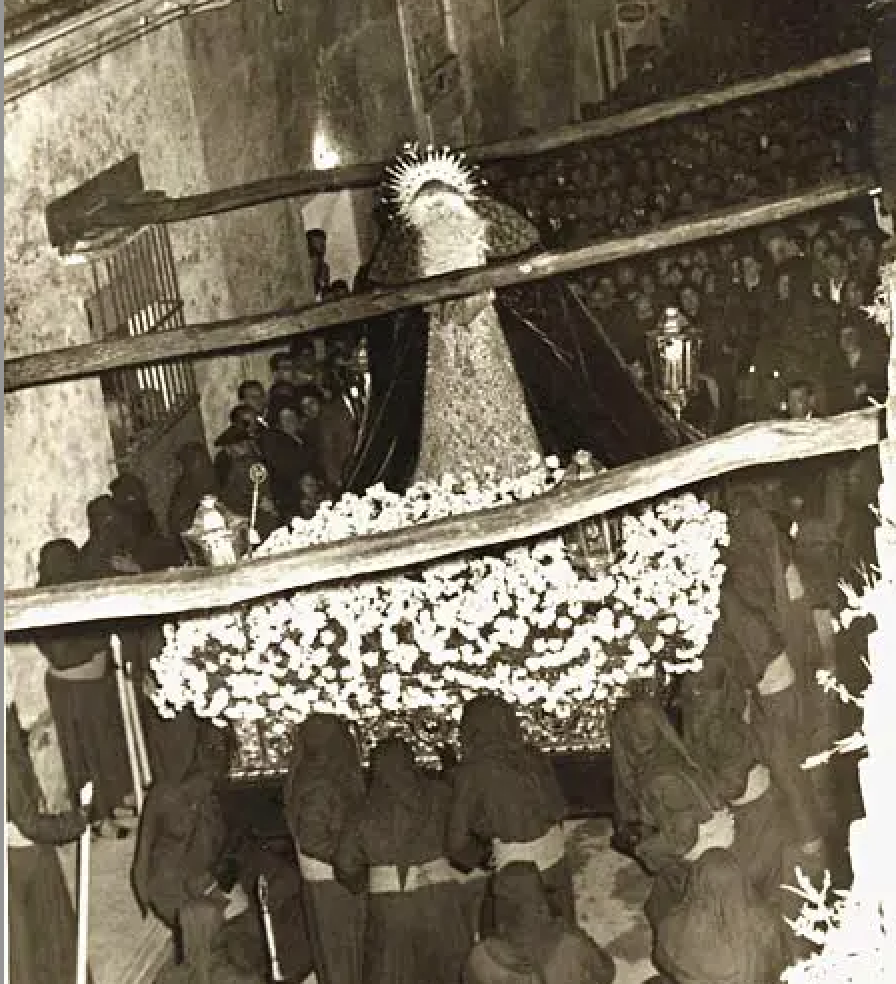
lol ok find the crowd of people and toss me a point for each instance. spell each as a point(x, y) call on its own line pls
point(403, 875)
point(303, 429)
point(788, 142)
point(782, 305)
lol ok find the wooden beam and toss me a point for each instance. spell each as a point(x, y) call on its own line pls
point(194, 589)
point(84, 360)
point(114, 215)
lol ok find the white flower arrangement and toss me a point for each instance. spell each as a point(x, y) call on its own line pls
point(405, 651)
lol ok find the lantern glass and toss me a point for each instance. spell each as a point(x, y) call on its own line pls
point(674, 352)
point(218, 537)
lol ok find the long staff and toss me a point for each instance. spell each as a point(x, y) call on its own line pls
point(268, 923)
point(128, 723)
point(86, 798)
point(137, 731)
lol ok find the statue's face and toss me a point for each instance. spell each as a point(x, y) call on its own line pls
point(436, 205)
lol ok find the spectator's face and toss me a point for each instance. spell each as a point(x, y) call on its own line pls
point(309, 486)
point(778, 249)
point(852, 295)
point(248, 420)
point(608, 286)
point(310, 407)
point(849, 338)
point(643, 308)
point(288, 421)
point(690, 302)
point(784, 287)
point(625, 277)
point(799, 403)
point(647, 284)
point(255, 398)
point(820, 249)
point(676, 276)
point(836, 267)
point(752, 271)
point(866, 254)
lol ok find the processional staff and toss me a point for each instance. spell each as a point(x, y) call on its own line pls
point(86, 799)
point(268, 924)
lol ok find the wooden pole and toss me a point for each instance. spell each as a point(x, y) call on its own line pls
point(217, 336)
point(127, 723)
point(86, 800)
point(152, 209)
point(194, 589)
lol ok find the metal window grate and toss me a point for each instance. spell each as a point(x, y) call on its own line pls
point(136, 292)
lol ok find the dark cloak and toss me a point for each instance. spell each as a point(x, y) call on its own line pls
point(579, 392)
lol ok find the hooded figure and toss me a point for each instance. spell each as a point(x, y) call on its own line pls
point(42, 940)
point(720, 932)
point(83, 697)
point(108, 551)
point(324, 788)
point(152, 549)
point(507, 799)
point(182, 835)
point(418, 920)
point(724, 744)
point(668, 812)
point(531, 945)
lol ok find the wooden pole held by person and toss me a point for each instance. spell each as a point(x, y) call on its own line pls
point(86, 799)
point(133, 760)
point(269, 937)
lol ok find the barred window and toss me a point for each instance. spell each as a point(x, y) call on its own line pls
point(136, 292)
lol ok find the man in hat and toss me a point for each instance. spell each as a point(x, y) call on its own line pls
point(233, 468)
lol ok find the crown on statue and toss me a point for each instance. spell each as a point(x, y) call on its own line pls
point(413, 168)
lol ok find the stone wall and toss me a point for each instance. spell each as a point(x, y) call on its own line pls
point(57, 448)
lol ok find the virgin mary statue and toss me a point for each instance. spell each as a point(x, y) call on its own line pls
point(489, 380)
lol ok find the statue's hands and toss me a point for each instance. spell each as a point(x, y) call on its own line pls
point(716, 832)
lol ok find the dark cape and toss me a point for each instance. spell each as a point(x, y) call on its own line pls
point(579, 392)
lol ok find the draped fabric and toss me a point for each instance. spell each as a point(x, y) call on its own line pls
point(324, 788)
point(578, 391)
point(660, 794)
point(576, 388)
point(726, 747)
point(180, 841)
point(413, 935)
point(505, 790)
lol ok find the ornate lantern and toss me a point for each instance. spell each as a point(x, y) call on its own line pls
point(592, 543)
point(218, 537)
point(674, 351)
